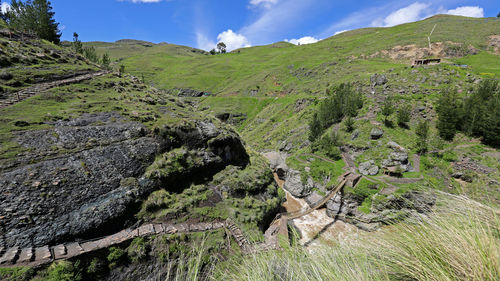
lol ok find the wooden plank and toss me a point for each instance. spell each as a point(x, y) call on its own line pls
point(60, 252)
point(43, 254)
point(73, 249)
point(26, 255)
point(10, 256)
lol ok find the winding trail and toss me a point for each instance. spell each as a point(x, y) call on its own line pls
point(19, 96)
point(32, 257)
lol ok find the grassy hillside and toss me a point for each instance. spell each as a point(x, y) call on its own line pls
point(270, 92)
point(283, 68)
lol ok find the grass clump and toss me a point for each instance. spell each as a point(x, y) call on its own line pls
point(453, 244)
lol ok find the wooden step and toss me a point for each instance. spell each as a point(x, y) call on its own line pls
point(26, 255)
point(60, 252)
point(73, 249)
point(10, 256)
point(43, 254)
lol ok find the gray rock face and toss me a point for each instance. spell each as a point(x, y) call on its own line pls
point(368, 168)
point(294, 185)
point(190, 93)
point(411, 205)
point(376, 133)
point(81, 177)
point(378, 80)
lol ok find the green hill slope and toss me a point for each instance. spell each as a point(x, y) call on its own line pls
point(283, 68)
point(269, 93)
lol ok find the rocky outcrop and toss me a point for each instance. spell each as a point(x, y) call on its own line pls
point(376, 133)
point(384, 210)
point(189, 93)
point(378, 80)
point(397, 158)
point(368, 168)
point(294, 184)
point(85, 176)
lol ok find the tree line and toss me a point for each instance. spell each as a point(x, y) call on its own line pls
point(476, 115)
point(33, 16)
point(342, 102)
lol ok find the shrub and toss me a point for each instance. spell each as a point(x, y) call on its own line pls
point(422, 132)
point(342, 101)
point(115, 257)
point(138, 249)
point(448, 114)
point(63, 271)
point(404, 115)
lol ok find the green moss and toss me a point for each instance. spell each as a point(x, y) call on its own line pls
point(115, 257)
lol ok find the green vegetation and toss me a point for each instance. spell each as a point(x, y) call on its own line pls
point(342, 101)
point(478, 115)
point(34, 16)
point(422, 132)
point(418, 251)
point(404, 115)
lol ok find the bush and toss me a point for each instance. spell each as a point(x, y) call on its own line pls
point(63, 271)
point(342, 101)
point(329, 145)
point(422, 132)
point(460, 242)
point(115, 257)
point(404, 115)
point(349, 124)
point(138, 249)
point(448, 114)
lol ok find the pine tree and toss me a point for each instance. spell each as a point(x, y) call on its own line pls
point(77, 44)
point(34, 16)
point(47, 28)
point(387, 110)
point(404, 115)
point(315, 128)
point(106, 61)
point(422, 132)
point(448, 115)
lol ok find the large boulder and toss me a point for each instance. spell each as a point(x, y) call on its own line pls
point(368, 168)
point(294, 184)
point(376, 133)
point(378, 80)
point(412, 204)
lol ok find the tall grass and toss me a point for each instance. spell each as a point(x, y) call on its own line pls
point(460, 242)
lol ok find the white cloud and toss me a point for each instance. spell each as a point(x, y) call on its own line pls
point(341, 31)
point(202, 42)
point(4, 7)
point(264, 3)
point(272, 22)
point(468, 11)
point(233, 40)
point(303, 41)
point(411, 13)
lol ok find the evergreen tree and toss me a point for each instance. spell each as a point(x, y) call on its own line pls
point(387, 110)
point(422, 132)
point(46, 26)
point(404, 115)
point(481, 112)
point(105, 61)
point(315, 128)
point(91, 54)
point(349, 124)
point(448, 115)
point(77, 44)
point(34, 16)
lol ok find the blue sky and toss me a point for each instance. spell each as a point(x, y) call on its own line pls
point(240, 23)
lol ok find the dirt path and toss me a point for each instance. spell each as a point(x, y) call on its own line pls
point(38, 88)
